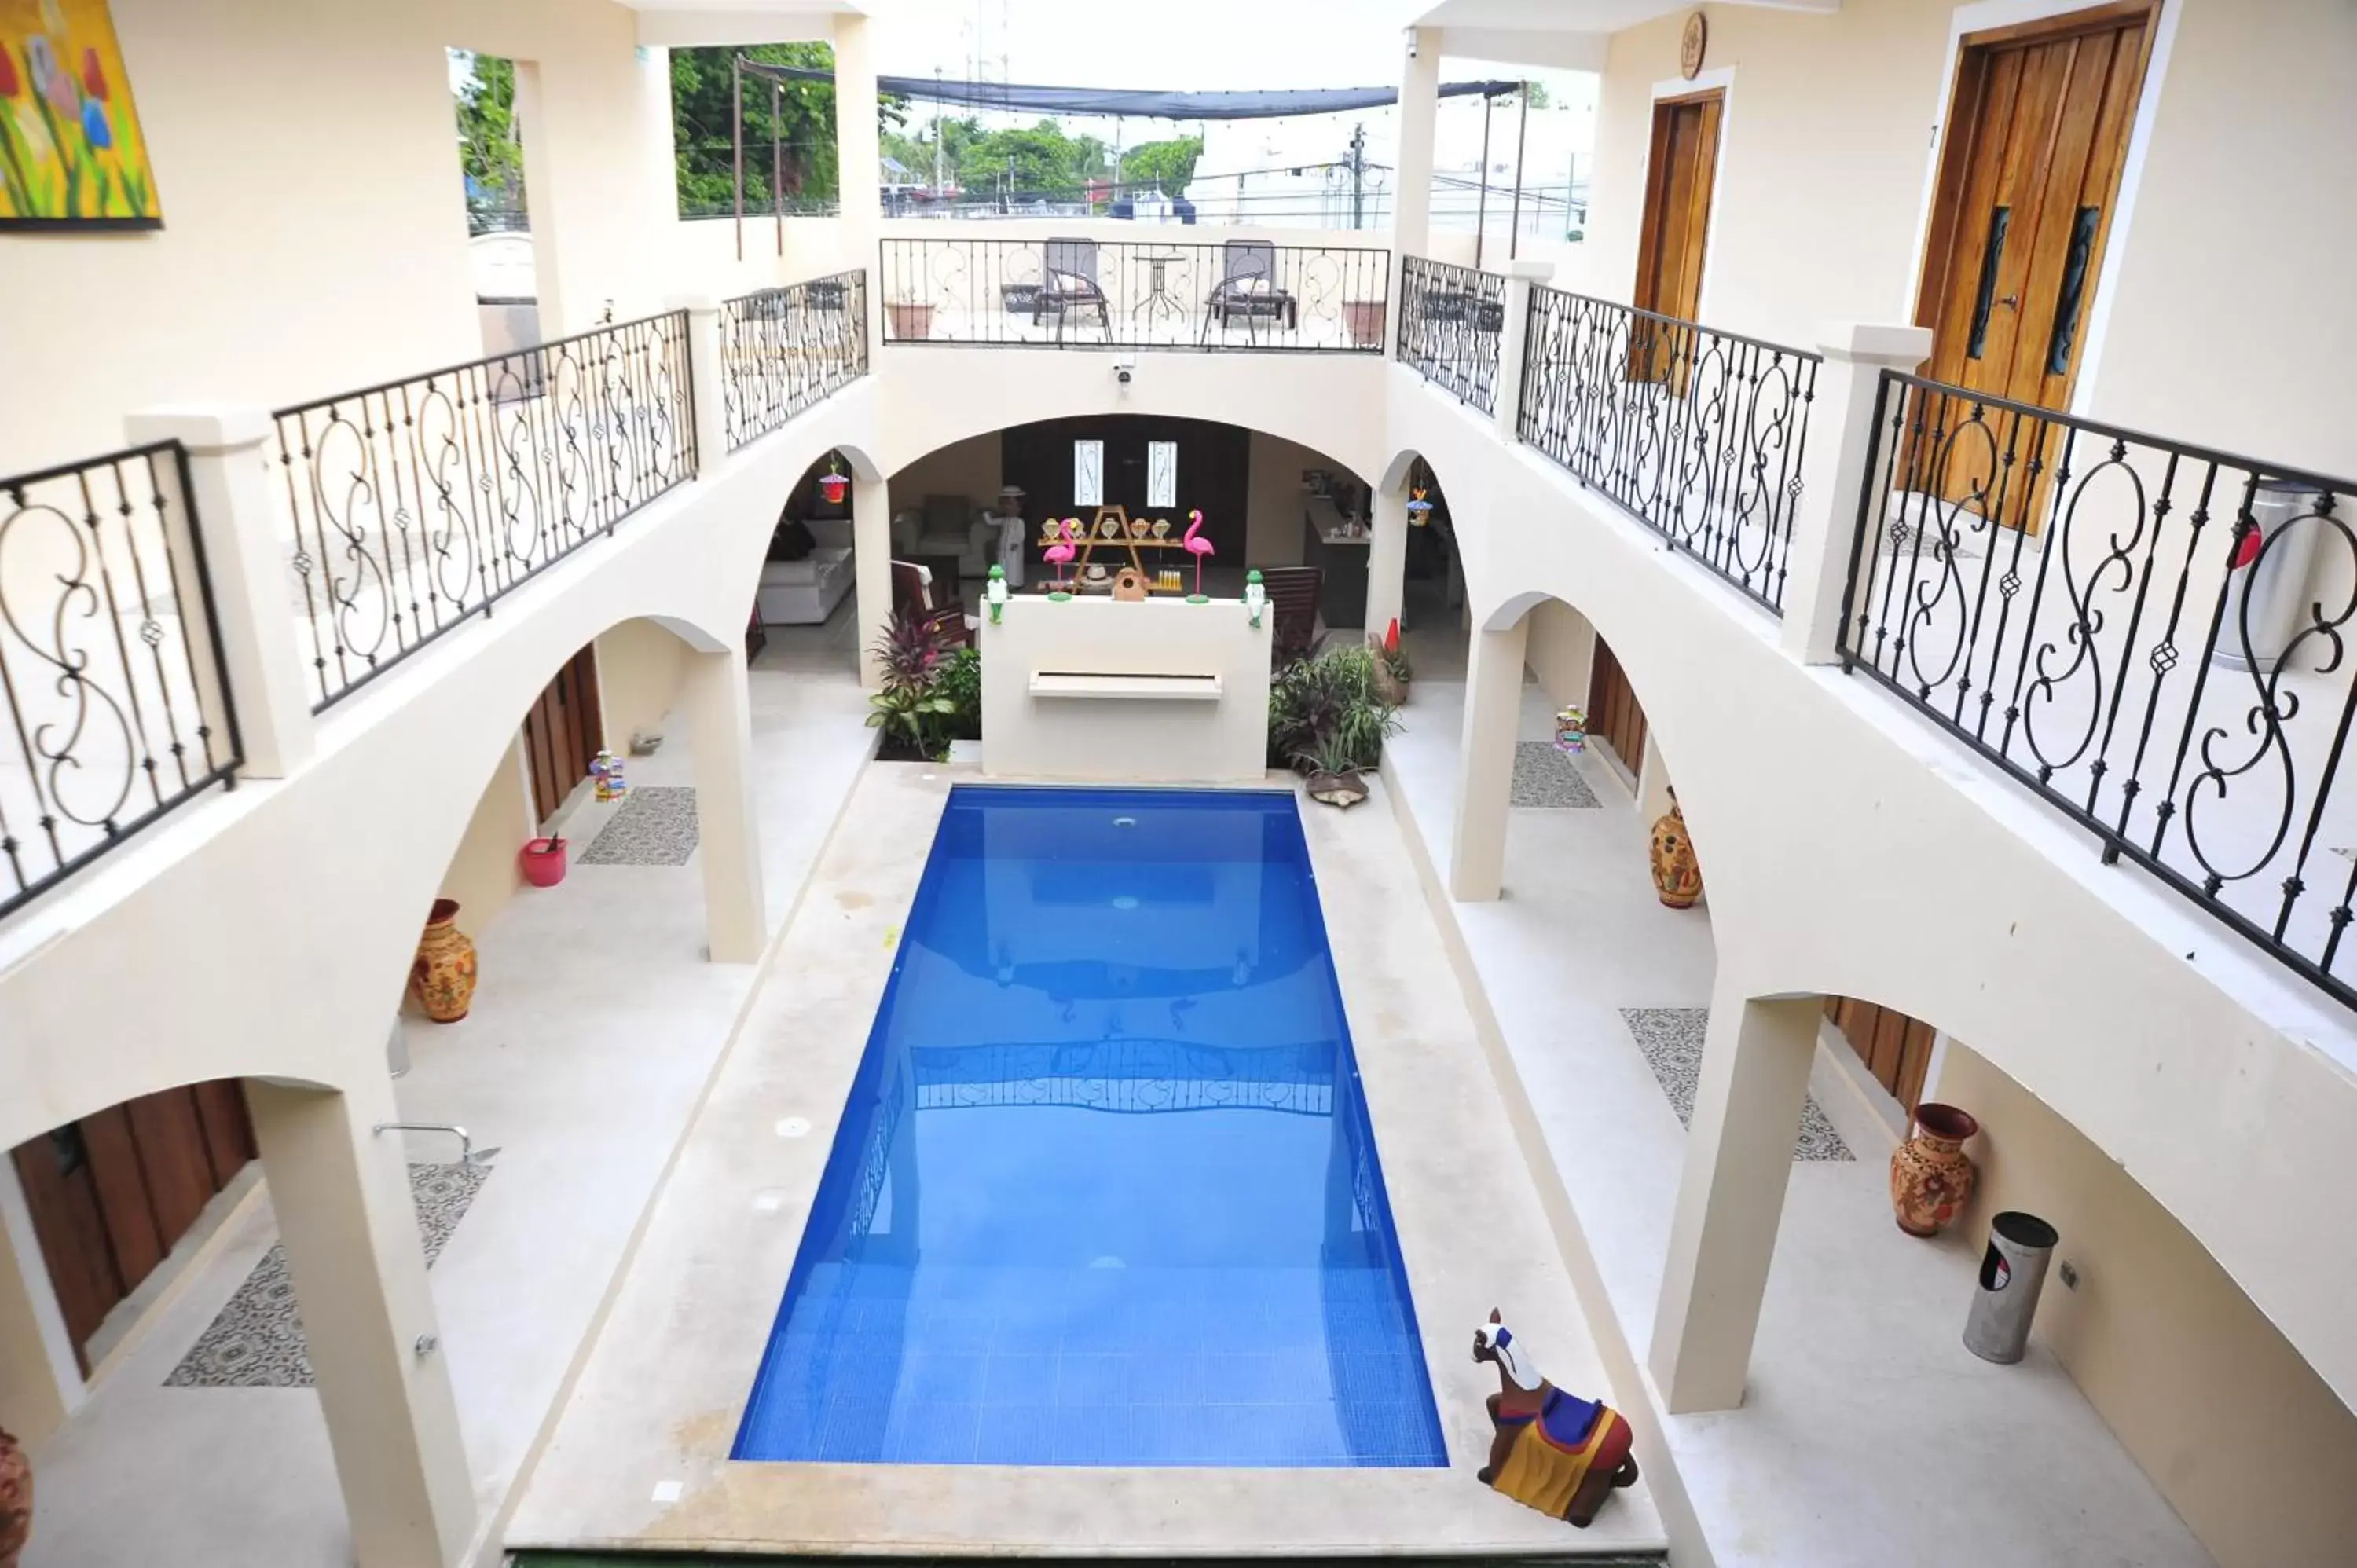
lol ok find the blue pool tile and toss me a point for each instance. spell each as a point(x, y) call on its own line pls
point(1016, 1435)
point(1020, 1378)
point(1092, 1434)
point(1089, 1377)
point(855, 1429)
point(943, 1375)
point(1166, 1378)
point(936, 1433)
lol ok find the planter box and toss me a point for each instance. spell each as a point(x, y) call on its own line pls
point(909, 323)
point(1365, 318)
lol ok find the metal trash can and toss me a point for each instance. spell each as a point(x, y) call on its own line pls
point(2272, 596)
point(2012, 1272)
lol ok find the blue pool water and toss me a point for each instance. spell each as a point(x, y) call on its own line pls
point(1104, 1192)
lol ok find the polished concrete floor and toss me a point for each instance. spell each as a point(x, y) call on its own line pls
point(1868, 1435)
point(592, 1036)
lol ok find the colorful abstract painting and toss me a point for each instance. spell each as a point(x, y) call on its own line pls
point(71, 154)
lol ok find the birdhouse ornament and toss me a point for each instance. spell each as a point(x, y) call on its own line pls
point(1419, 507)
point(607, 771)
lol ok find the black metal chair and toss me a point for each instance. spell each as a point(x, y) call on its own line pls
point(1070, 283)
point(1247, 289)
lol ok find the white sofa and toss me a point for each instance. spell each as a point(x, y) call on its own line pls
point(805, 592)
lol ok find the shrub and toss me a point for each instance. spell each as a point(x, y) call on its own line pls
point(1325, 709)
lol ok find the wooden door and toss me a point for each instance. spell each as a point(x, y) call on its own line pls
point(1681, 166)
point(1896, 1049)
point(2030, 174)
point(563, 732)
point(111, 1195)
point(1613, 714)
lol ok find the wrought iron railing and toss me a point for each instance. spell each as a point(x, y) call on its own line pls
point(1699, 433)
point(1450, 321)
point(109, 662)
point(2150, 635)
point(782, 349)
point(416, 504)
point(1123, 294)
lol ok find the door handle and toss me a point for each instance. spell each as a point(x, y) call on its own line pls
point(2011, 301)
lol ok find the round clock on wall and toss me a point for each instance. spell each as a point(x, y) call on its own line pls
point(1691, 44)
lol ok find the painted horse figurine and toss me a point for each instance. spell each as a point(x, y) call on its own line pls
point(1559, 1454)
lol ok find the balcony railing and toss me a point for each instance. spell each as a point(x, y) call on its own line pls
point(1450, 321)
point(2150, 635)
point(417, 504)
point(1699, 433)
point(109, 662)
point(782, 349)
point(1091, 293)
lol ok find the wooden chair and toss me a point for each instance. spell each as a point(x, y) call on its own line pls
point(913, 594)
point(1070, 283)
point(1293, 594)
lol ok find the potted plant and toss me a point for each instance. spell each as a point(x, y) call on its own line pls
point(1364, 318)
point(1327, 719)
point(1392, 671)
point(908, 319)
point(834, 482)
point(909, 706)
point(543, 861)
point(1334, 774)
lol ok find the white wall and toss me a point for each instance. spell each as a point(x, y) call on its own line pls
point(1854, 851)
point(2226, 270)
point(968, 468)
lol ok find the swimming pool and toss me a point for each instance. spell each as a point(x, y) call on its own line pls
point(1104, 1191)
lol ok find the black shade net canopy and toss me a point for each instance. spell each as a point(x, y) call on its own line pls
point(1122, 102)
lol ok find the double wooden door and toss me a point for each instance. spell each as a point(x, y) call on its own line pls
point(1614, 715)
point(1896, 1049)
point(1681, 169)
point(110, 1194)
point(562, 733)
point(2029, 176)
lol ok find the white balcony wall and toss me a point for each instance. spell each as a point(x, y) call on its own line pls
point(2227, 261)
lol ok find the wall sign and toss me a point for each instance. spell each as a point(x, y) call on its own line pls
point(1691, 44)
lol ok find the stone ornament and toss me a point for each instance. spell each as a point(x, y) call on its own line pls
point(1677, 878)
point(1549, 1450)
point(1930, 1175)
point(444, 973)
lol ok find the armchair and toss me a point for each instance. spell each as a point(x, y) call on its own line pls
point(947, 529)
point(1248, 288)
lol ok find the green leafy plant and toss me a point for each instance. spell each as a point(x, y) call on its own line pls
point(960, 683)
point(1328, 706)
point(908, 706)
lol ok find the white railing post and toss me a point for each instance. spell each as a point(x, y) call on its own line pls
point(706, 376)
point(246, 538)
point(1842, 441)
point(1507, 397)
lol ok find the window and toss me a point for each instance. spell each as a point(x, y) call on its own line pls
point(1162, 473)
point(1088, 473)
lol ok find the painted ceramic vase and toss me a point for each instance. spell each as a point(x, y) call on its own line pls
point(444, 974)
point(1676, 877)
point(16, 1500)
point(1931, 1175)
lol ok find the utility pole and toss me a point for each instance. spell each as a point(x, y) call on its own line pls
point(737, 124)
point(1358, 176)
point(937, 131)
point(1515, 229)
point(1481, 204)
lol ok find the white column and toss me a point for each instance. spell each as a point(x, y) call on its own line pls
point(1387, 559)
point(871, 561)
point(1520, 276)
point(706, 377)
point(341, 1196)
point(542, 183)
point(1494, 701)
point(246, 561)
point(1419, 100)
point(1755, 1077)
point(859, 157)
point(728, 835)
point(40, 1385)
point(1842, 442)
point(1653, 783)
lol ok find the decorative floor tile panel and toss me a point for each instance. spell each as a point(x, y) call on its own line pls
point(257, 1340)
point(1672, 1040)
point(655, 826)
point(1545, 778)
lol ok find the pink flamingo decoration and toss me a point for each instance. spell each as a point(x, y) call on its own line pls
point(1068, 533)
point(1197, 547)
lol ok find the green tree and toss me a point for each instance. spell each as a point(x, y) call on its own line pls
point(489, 149)
point(1168, 164)
point(806, 166)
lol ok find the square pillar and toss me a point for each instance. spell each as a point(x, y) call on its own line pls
point(1419, 104)
point(728, 835)
point(1842, 439)
point(1387, 560)
point(707, 372)
point(1513, 342)
point(1493, 704)
point(341, 1192)
point(871, 563)
point(1755, 1078)
point(244, 532)
point(860, 154)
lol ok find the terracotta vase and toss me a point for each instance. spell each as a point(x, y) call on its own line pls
point(444, 974)
point(1676, 877)
point(16, 1500)
point(1931, 1175)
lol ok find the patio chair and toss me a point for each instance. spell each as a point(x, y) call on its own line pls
point(1070, 283)
point(1293, 628)
point(1247, 288)
point(913, 594)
